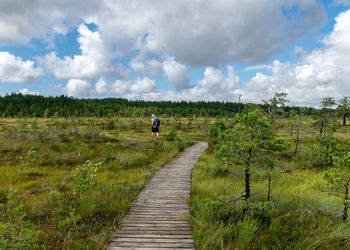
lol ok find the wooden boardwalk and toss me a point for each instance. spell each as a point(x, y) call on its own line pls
point(155, 219)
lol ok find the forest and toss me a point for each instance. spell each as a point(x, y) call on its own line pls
point(18, 105)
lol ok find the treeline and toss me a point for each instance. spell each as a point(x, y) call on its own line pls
point(18, 105)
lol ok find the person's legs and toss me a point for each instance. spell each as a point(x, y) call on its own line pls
point(157, 134)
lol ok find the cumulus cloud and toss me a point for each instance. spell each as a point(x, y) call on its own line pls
point(153, 37)
point(259, 66)
point(25, 91)
point(321, 72)
point(14, 70)
point(116, 70)
point(89, 64)
point(213, 87)
point(125, 88)
point(176, 73)
point(201, 33)
point(78, 88)
point(215, 82)
point(20, 21)
point(142, 64)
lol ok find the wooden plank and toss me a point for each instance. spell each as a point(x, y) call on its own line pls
point(155, 219)
point(152, 240)
point(159, 245)
point(154, 232)
point(164, 221)
point(147, 248)
point(156, 236)
point(156, 228)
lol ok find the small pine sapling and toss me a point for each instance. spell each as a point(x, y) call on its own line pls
point(277, 102)
point(326, 104)
point(329, 146)
point(269, 161)
point(344, 107)
point(244, 143)
point(338, 181)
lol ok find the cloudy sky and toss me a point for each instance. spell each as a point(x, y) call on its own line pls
point(176, 50)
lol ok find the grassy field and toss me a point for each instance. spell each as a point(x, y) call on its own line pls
point(299, 215)
point(45, 204)
point(39, 159)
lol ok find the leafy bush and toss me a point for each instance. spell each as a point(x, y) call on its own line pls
point(171, 136)
point(16, 231)
point(217, 127)
point(85, 177)
point(29, 157)
point(110, 125)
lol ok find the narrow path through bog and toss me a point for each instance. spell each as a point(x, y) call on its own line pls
point(155, 219)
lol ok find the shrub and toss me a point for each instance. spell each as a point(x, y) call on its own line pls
point(110, 125)
point(16, 232)
point(217, 127)
point(29, 158)
point(171, 136)
point(85, 177)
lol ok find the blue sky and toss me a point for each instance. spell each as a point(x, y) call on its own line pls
point(176, 50)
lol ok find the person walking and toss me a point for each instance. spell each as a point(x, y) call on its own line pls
point(155, 125)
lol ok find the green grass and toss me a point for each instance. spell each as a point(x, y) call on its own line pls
point(299, 216)
point(38, 158)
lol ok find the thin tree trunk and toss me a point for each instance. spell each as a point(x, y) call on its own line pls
point(321, 130)
point(247, 183)
point(297, 139)
point(269, 187)
point(344, 119)
point(270, 112)
point(346, 200)
point(247, 176)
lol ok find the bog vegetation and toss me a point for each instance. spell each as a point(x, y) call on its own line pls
point(274, 180)
point(67, 183)
point(273, 176)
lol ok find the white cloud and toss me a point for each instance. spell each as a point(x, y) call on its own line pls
point(259, 66)
point(142, 85)
point(319, 73)
point(88, 65)
point(192, 33)
point(125, 88)
point(215, 81)
point(14, 70)
point(176, 73)
point(25, 91)
point(20, 21)
point(201, 33)
point(213, 87)
point(322, 72)
point(78, 88)
point(142, 64)
point(116, 70)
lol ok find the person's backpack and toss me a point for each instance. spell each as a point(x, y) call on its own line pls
point(156, 122)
